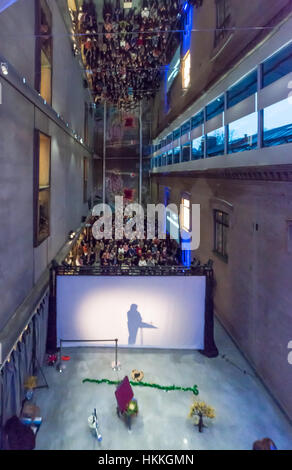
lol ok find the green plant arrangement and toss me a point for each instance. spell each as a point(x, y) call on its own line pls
point(166, 388)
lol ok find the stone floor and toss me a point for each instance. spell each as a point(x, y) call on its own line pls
point(244, 409)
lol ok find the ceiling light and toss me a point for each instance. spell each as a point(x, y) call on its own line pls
point(4, 68)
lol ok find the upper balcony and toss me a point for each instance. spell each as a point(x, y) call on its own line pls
point(240, 122)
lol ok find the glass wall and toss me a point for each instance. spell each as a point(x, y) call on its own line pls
point(169, 157)
point(186, 127)
point(243, 134)
point(215, 108)
point(277, 126)
point(242, 89)
point(197, 120)
point(176, 134)
point(215, 142)
point(176, 155)
point(198, 148)
point(186, 152)
point(277, 66)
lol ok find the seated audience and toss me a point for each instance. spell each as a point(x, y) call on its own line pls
point(124, 253)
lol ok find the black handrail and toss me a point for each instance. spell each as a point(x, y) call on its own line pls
point(201, 270)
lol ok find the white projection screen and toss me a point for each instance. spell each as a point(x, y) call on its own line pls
point(142, 312)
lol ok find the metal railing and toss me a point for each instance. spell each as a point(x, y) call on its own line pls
point(201, 270)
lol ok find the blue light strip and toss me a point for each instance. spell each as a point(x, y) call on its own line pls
point(185, 7)
point(187, 34)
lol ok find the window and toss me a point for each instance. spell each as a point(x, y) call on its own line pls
point(246, 87)
point(85, 178)
point(197, 120)
point(243, 134)
point(222, 20)
point(42, 182)
point(221, 226)
point(164, 159)
point(215, 107)
point(277, 66)
point(169, 157)
point(169, 139)
point(215, 142)
point(186, 214)
point(277, 126)
point(186, 150)
point(186, 127)
point(198, 148)
point(176, 134)
point(186, 70)
point(176, 155)
point(44, 51)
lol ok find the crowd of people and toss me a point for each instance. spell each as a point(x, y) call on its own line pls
point(125, 52)
point(88, 251)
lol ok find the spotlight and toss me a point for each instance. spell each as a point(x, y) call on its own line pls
point(4, 68)
point(24, 80)
point(71, 235)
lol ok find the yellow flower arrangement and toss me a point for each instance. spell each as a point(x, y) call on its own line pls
point(200, 408)
point(31, 382)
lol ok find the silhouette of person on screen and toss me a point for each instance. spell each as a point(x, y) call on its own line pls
point(134, 323)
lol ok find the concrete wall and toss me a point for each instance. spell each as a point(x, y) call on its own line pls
point(253, 295)
point(209, 63)
point(20, 263)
